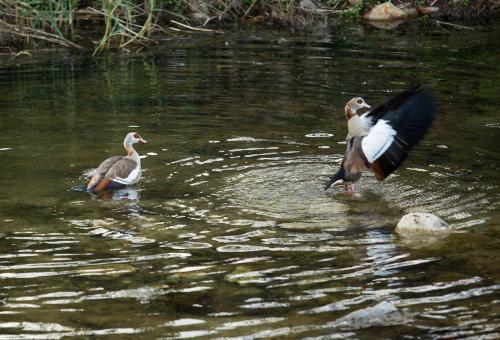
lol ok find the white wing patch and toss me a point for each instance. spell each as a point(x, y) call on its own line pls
point(367, 121)
point(378, 140)
point(132, 178)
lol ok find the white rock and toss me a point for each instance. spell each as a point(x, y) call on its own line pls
point(421, 223)
point(385, 12)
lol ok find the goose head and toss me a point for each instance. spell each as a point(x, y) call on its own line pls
point(354, 105)
point(133, 138)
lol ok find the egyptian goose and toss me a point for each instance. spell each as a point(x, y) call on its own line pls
point(382, 138)
point(119, 171)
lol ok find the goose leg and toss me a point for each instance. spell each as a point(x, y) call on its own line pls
point(350, 187)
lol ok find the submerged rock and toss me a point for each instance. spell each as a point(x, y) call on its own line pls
point(386, 25)
point(382, 314)
point(385, 12)
point(421, 223)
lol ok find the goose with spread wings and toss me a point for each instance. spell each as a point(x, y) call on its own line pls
point(381, 139)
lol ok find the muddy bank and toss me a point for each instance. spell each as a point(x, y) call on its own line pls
point(132, 25)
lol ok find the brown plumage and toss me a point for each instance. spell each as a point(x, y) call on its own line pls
point(376, 168)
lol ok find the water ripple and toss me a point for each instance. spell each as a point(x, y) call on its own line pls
point(230, 234)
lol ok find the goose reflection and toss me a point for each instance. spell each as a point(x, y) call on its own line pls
point(128, 193)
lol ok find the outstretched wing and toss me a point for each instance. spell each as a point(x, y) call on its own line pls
point(392, 104)
point(370, 118)
point(400, 124)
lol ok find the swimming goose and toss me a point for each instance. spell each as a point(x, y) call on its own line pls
point(382, 138)
point(119, 171)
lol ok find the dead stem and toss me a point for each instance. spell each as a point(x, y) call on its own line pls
point(32, 33)
point(199, 29)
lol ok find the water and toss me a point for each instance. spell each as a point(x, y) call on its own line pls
point(229, 233)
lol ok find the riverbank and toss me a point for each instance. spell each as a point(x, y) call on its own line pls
point(133, 25)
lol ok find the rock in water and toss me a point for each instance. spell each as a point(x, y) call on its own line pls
point(386, 25)
point(382, 314)
point(385, 12)
point(421, 223)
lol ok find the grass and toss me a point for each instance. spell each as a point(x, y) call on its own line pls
point(119, 22)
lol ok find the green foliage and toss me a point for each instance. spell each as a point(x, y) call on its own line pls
point(353, 12)
point(53, 15)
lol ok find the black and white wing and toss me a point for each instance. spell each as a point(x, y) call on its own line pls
point(399, 124)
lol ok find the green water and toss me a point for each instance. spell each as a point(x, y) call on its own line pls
point(229, 233)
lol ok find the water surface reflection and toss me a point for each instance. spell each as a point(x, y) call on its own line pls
point(229, 233)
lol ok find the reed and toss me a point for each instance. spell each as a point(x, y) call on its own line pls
point(120, 22)
point(34, 21)
point(127, 22)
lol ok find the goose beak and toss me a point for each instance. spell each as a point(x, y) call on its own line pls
point(143, 141)
point(367, 106)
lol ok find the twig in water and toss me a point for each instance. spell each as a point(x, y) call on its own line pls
point(454, 25)
point(196, 28)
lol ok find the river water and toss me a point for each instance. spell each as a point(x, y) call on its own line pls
point(229, 234)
